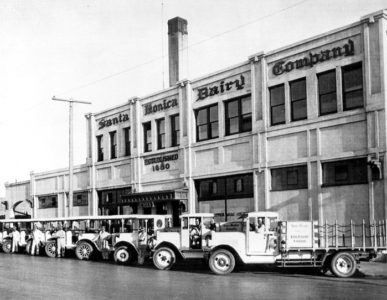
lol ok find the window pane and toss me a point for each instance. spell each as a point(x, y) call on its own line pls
point(232, 108)
point(202, 132)
point(298, 90)
point(161, 126)
point(351, 171)
point(278, 114)
point(214, 130)
point(246, 122)
point(352, 77)
point(353, 99)
point(289, 178)
point(328, 104)
point(246, 105)
point(202, 117)
point(299, 110)
point(214, 113)
point(234, 125)
point(277, 95)
point(327, 82)
point(177, 123)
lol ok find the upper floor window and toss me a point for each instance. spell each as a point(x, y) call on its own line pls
point(207, 123)
point(127, 140)
point(343, 172)
point(289, 178)
point(161, 134)
point(99, 148)
point(147, 137)
point(80, 199)
point(113, 144)
point(277, 104)
point(298, 99)
point(48, 201)
point(175, 130)
point(352, 86)
point(327, 92)
point(238, 115)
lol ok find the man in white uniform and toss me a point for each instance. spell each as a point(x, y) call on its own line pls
point(37, 237)
point(61, 241)
point(15, 240)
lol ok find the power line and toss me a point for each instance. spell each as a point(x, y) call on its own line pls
point(189, 46)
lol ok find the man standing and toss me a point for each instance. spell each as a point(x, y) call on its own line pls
point(60, 241)
point(37, 237)
point(15, 240)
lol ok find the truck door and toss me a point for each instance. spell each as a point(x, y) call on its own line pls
point(256, 236)
point(184, 233)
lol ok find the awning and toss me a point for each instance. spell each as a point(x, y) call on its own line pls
point(171, 195)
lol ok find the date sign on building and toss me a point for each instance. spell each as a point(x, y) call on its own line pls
point(162, 162)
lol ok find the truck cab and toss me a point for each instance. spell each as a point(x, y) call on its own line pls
point(186, 242)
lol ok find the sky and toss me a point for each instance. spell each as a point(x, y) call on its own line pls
point(106, 52)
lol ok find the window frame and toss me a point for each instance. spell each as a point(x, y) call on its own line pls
point(208, 124)
point(127, 141)
point(346, 92)
point(328, 93)
point(294, 101)
point(160, 135)
point(240, 116)
point(113, 144)
point(175, 133)
point(147, 144)
point(100, 154)
point(330, 178)
point(283, 174)
point(50, 201)
point(282, 85)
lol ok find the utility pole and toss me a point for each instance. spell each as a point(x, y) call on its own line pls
point(70, 101)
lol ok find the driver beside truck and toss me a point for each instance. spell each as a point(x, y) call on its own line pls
point(260, 226)
point(195, 234)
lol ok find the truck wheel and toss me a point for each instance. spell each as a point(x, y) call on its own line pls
point(164, 258)
point(7, 246)
point(343, 265)
point(51, 249)
point(222, 262)
point(84, 251)
point(122, 255)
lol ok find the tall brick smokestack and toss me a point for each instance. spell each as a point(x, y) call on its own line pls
point(177, 49)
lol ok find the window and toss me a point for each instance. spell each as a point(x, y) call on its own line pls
point(207, 123)
point(344, 172)
point(113, 144)
point(161, 134)
point(238, 115)
point(80, 199)
point(327, 92)
point(127, 140)
point(277, 104)
point(48, 201)
point(99, 148)
point(298, 99)
point(352, 86)
point(289, 178)
point(175, 130)
point(147, 137)
point(238, 185)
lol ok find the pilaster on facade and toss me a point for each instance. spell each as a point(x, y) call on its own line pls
point(34, 198)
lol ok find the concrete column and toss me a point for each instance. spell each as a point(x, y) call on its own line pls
point(34, 199)
point(91, 159)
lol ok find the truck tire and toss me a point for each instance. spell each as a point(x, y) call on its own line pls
point(222, 262)
point(51, 249)
point(164, 258)
point(83, 251)
point(343, 265)
point(122, 255)
point(7, 246)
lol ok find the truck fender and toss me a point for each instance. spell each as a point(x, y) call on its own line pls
point(229, 248)
point(92, 243)
point(178, 254)
point(130, 246)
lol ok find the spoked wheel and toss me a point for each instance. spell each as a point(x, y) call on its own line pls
point(84, 251)
point(51, 249)
point(7, 246)
point(164, 258)
point(122, 255)
point(343, 265)
point(222, 262)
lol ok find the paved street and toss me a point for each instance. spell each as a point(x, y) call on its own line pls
point(25, 277)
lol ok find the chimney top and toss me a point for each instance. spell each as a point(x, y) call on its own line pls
point(176, 25)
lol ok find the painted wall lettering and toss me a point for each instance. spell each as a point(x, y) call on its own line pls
point(222, 87)
point(159, 159)
point(166, 104)
point(282, 67)
point(112, 121)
